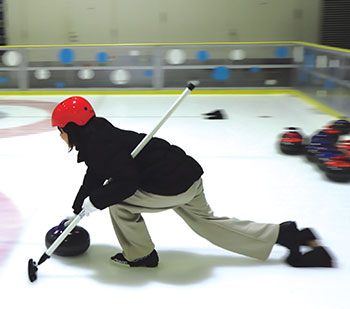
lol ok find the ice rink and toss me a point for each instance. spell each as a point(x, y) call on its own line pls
point(246, 176)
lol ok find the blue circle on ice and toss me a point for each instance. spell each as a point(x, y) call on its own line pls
point(281, 52)
point(202, 55)
point(221, 73)
point(101, 57)
point(66, 55)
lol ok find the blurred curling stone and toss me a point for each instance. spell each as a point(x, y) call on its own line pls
point(343, 146)
point(332, 132)
point(319, 142)
point(322, 142)
point(76, 243)
point(326, 154)
point(338, 168)
point(292, 141)
point(325, 147)
point(342, 125)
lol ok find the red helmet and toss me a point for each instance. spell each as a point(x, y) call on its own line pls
point(73, 109)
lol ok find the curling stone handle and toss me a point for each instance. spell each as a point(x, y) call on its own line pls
point(64, 234)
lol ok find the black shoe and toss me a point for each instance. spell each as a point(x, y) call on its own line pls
point(307, 237)
point(318, 257)
point(150, 260)
point(289, 236)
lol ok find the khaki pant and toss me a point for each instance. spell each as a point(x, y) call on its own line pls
point(244, 237)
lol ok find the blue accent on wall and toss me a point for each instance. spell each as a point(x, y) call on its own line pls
point(328, 84)
point(66, 55)
point(4, 80)
point(221, 73)
point(303, 77)
point(60, 84)
point(254, 69)
point(148, 73)
point(101, 57)
point(202, 55)
point(281, 52)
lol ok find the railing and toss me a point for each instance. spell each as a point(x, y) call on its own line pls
point(320, 72)
point(324, 75)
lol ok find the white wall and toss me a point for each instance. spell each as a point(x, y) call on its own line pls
point(160, 21)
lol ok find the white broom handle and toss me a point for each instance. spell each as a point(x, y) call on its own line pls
point(147, 138)
point(134, 153)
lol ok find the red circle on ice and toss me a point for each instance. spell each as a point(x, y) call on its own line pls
point(10, 226)
point(37, 126)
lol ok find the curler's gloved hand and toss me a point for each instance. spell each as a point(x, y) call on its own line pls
point(88, 207)
point(69, 220)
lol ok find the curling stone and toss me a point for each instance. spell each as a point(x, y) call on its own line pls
point(326, 155)
point(343, 146)
point(76, 243)
point(292, 141)
point(319, 142)
point(338, 169)
point(342, 125)
point(332, 132)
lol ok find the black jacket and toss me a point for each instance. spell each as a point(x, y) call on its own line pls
point(160, 168)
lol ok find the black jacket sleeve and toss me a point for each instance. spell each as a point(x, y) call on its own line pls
point(90, 183)
point(107, 160)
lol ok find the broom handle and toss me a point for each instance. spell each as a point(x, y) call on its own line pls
point(148, 137)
